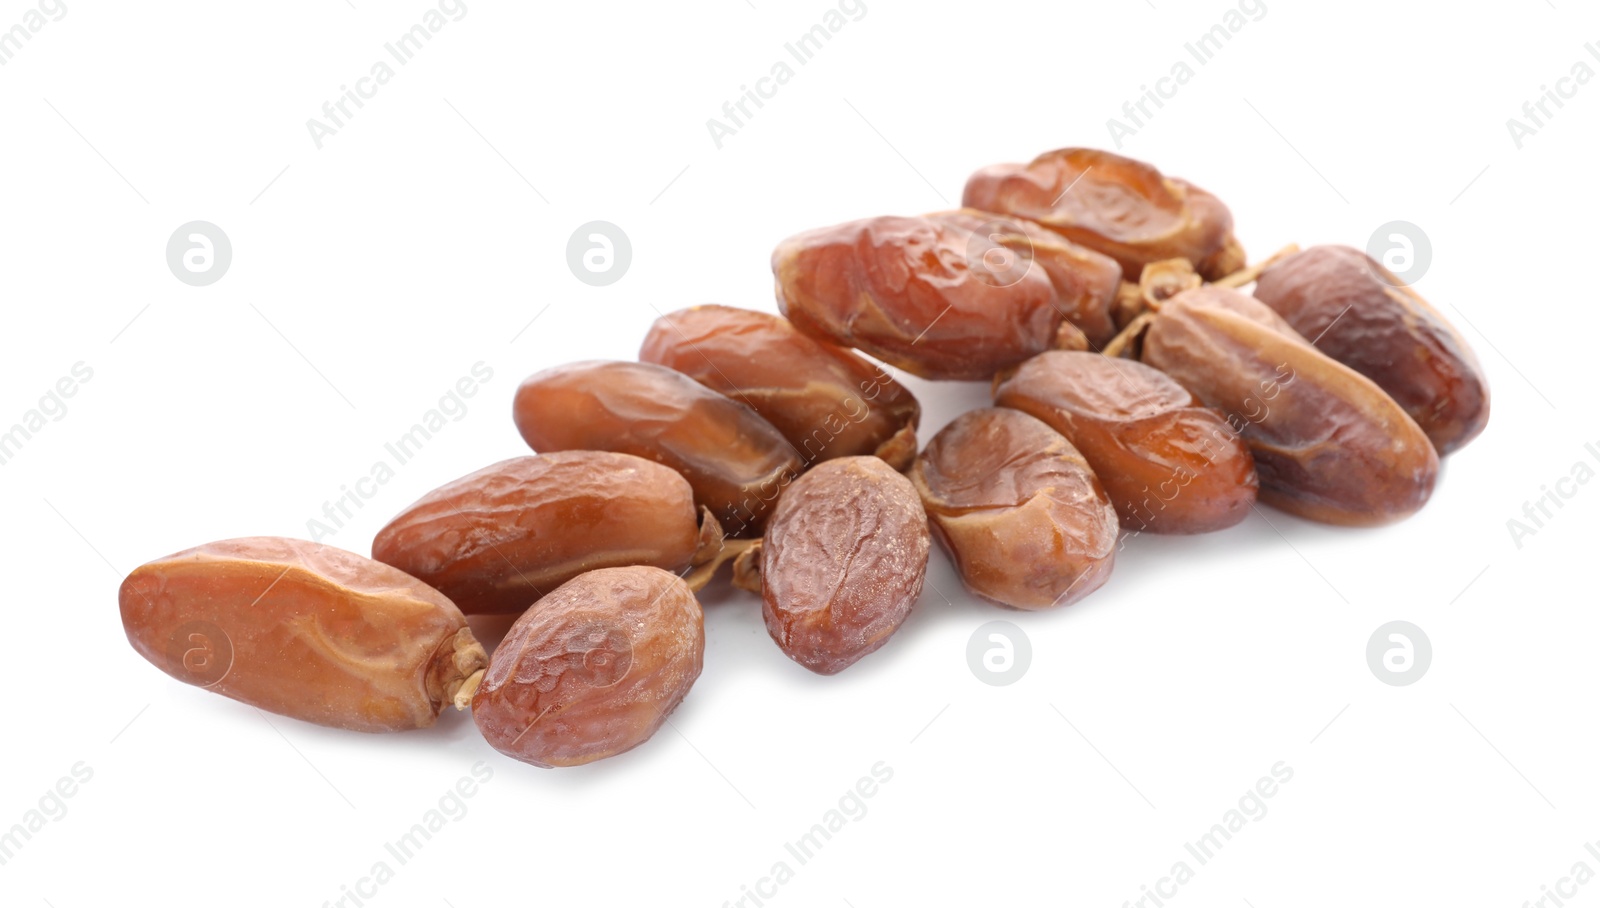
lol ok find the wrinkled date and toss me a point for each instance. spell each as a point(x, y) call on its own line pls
point(1086, 281)
point(735, 461)
point(1169, 464)
point(827, 401)
point(1329, 444)
point(929, 295)
point(592, 669)
point(498, 539)
point(304, 630)
point(1024, 517)
point(842, 562)
point(1364, 317)
point(1121, 207)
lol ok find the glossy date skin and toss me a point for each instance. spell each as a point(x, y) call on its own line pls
point(1019, 509)
point(1170, 464)
point(735, 461)
point(496, 540)
point(1328, 443)
point(916, 293)
point(827, 401)
point(302, 630)
point(592, 669)
point(1115, 205)
point(842, 562)
point(1364, 317)
point(1086, 281)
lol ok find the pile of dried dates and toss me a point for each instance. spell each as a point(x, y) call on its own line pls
point(1136, 388)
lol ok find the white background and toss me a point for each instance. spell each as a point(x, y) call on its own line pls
point(372, 274)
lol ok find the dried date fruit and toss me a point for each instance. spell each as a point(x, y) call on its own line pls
point(1086, 281)
point(1019, 509)
point(498, 539)
point(842, 562)
point(1170, 464)
point(593, 668)
point(827, 401)
point(735, 461)
point(1115, 205)
point(304, 630)
point(929, 295)
point(1364, 317)
point(1328, 443)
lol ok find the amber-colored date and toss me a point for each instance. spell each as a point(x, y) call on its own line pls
point(592, 669)
point(1086, 281)
point(842, 562)
point(1329, 445)
point(930, 295)
point(827, 401)
point(735, 461)
point(1364, 317)
point(1169, 464)
point(1023, 516)
point(1116, 205)
point(304, 630)
point(498, 539)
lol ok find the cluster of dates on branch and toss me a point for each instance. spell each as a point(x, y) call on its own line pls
point(1136, 388)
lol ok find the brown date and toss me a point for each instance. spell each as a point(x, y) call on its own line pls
point(304, 630)
point(827, 401)
point(498, 539)
point(1115, 205)
point(930, 295)
point(1329, 445)
point(1086, 281)
point(1170, 464)
point(593, 668)
point(842, 562)
point(1364, 317)
point(735, 461)
point(1019, 509)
